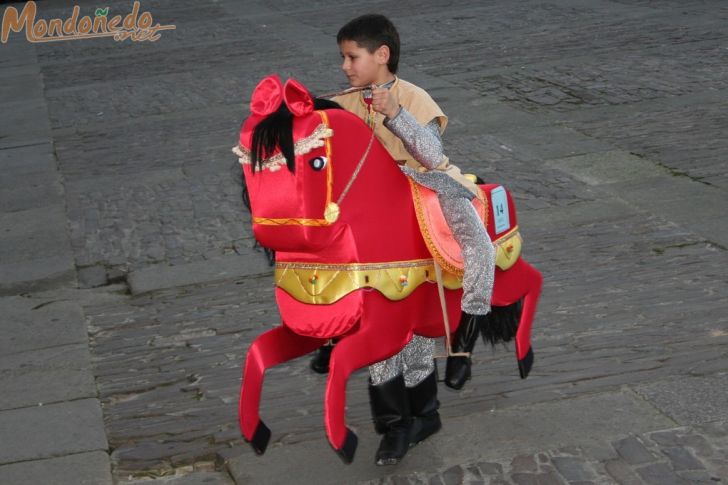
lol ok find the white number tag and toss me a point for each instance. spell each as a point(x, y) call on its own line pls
point(499, 201)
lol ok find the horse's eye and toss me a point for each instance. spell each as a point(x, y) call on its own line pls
point(318, 163)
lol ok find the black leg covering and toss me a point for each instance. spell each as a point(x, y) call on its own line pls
point(457, 370)
point(424, 406)
point(320, 361)
point(392, 418)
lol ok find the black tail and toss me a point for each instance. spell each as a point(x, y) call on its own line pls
point(501, 324)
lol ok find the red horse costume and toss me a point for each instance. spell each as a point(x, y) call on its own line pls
point(356, 247)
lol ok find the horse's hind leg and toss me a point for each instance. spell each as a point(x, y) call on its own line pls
point(269, 349)
point(521, 281)
point(524, 353)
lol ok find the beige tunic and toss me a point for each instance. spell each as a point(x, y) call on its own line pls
point(424, 109)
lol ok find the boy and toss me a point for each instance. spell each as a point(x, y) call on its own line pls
point(403, 389)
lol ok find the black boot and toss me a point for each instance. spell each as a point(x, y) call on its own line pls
point(391, 413)
point(424, 406)
point(320, 361)
point(457, 370)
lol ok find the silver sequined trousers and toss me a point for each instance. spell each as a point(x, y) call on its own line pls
point(425, 145)
point(414, 362)
point(478, 253)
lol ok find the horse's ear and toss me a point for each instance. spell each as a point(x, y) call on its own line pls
point(298, 99)
point(267, 96)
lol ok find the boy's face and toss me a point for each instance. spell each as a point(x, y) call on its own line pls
point(361, 66)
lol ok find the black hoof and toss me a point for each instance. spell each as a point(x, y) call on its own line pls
point(346, 453)
point(457, 372)
point(525, 364)
point(261, 437)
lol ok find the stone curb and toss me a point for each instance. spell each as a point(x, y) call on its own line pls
point(162, 276)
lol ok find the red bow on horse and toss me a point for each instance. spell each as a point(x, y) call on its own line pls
point(351, 259)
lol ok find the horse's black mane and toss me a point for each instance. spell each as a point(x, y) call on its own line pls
point(276, 130)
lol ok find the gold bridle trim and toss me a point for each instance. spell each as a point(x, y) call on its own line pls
point(270, 221)
point(327, 283)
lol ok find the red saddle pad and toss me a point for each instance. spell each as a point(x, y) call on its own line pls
point(495, 208)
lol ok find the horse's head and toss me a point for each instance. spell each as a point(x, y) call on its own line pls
point(285, 150)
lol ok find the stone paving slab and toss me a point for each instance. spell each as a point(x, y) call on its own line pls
point(24, 123)
point(690, 401)
point(33, 233)
point(30, 165)
point(661, 189)
point(686, 139)
point(161, 277)
point(40, 377)
point(17, 53)
point(30, 324)
point(20, 82)
point(549, 142)
point(609, 167)
point(32, 196)
point(78, 469)
point(650, 186)
point(702, 214)
point(47, 431)
point(700, 210)
point(40, 274)
point(34, 250)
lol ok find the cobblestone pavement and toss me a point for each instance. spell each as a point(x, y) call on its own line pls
point(660, 457)
point(605, 118)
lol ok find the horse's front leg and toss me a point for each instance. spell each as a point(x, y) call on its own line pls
point(374, 341)
point(269, 349)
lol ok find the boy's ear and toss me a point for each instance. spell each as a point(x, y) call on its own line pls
point(382, 54)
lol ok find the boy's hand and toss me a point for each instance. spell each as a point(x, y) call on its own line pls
point(383, 101)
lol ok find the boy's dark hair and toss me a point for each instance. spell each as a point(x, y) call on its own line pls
point(372, 31)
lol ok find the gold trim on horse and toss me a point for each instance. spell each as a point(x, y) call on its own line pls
point(508, 248)
point(327, 283)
